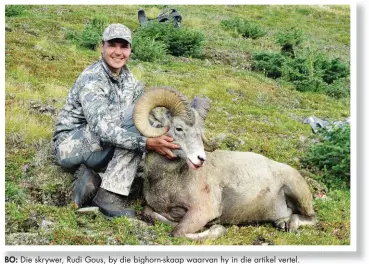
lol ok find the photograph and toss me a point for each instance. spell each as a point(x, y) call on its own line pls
point(179, 125)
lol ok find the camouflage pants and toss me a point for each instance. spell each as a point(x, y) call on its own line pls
point(80, 146)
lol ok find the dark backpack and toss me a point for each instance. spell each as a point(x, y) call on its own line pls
point(167, 15)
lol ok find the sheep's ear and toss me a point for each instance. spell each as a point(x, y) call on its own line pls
point(201, 105)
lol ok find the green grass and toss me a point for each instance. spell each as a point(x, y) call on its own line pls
point(249, 112)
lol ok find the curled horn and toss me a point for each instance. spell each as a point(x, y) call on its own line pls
point(167, 97)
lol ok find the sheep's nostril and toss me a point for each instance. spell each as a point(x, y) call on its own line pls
point(201, 159)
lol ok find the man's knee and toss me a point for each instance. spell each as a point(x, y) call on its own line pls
point(100, 159)
point(71, 152)
point(68, 163)
point(68, 155)
point(94, 160)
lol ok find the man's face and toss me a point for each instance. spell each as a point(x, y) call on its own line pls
point(116, 53)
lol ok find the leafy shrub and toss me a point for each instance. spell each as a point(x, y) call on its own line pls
point(301, 72)
point(72, 35)
point(269, 63)
point(155, 30)
point(146, 49)
point(331, 157)
point(314, 73)
point(303, 11)
point(91, 35)
point(312, 84)
point(331, 69)
point(339, 88)
point(298, 69)
point(291, 36)
point(14, 10)
point(289, 39)
point(243, 27)
point(317, 73)
point(186, 43)
point(177, 41)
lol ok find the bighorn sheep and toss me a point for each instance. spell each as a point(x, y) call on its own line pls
point(201, 187)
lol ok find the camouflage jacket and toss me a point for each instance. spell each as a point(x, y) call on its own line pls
point(99, 99)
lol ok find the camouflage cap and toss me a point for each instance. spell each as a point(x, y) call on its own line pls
point(114, 31)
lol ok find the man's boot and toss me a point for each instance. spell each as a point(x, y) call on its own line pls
point(86, 186)
point(112, 204)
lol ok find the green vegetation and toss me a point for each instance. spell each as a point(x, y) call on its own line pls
point(306, 70)
point(90, 37)
point(243, 27)
point(332, 157)
point(314, 72)
point(147, 49)
point(270, 63)
point(14, 10)
point(289, 40)
point(256, 105)
point(168, 39)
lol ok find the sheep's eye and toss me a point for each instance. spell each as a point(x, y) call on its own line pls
point(178, 129)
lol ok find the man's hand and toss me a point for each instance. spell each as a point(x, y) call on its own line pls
point(162, 145)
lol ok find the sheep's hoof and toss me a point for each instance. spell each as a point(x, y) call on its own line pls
point(282, 223)
point(289, 224)
point(177, 233)
point(293, 223)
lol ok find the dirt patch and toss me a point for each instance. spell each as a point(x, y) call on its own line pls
point(239, 60)
point(47, 109)
point(26, 239)
point(261, 241)
point(48, 183)
point(58, 197)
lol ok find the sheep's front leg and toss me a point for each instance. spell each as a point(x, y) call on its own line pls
point(194, 220)
point(149, 212)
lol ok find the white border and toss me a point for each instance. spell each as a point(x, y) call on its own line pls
point(349, 248)
point(353, 128)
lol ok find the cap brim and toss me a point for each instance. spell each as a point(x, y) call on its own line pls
point(108, 39)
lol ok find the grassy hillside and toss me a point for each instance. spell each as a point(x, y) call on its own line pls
point(249, 112)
